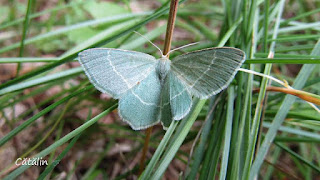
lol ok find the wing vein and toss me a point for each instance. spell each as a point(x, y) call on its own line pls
point(115, 70)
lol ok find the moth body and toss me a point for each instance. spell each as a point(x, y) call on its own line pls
point(162, 68)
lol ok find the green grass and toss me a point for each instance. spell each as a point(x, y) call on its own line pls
point(237, 134)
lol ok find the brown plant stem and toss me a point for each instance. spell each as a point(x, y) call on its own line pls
point(145, 150)
point(301, 94)
point(170, 26)
point(167, 45)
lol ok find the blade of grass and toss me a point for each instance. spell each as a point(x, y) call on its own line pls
point(27, 59)
point(300, 16)
point(295, 155)
point(299, 27)
point(61, 141)
point(177, 140)
point(51, 166)
point(108, 32)
point(283, 61)
point(295, 38)
point(217, 144)
point(199, 152)
point(295, 48)
point(161, 11)
point(295, 139)
point(282, 112)
point(91, 170)
point(156, 156)
point(34, 15)
point(49, 78)
point(207, 32)
point(261, 98)
point(24, 33)
point(279, 55)
point(96, 22)
point(57, 137)
point(234, 157)
point(25, 124)
point(295, 131)
point(227, 134)
point(54, 126)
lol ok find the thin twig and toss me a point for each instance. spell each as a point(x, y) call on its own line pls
point(170, 26)
point(145, 150)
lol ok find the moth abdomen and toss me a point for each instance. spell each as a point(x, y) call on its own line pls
point(162, 68)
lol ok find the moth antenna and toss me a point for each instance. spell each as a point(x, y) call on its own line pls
point(191, 44)
point(149, 42)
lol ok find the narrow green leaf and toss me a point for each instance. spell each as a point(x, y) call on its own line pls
point(308, 163)
point(227, 135)
point(177, 140)
point(160, 149)
point(61, 141)
point(25, 124)
point(282, 112)
point(41, 80)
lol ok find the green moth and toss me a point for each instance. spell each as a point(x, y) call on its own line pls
point(151, 90)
